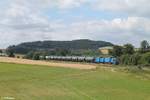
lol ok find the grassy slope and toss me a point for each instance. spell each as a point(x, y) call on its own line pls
point(29, 82)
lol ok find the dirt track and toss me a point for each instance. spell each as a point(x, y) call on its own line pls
point(59, 64)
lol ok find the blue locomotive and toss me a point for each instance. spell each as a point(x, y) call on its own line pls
point(104, 60)
point(107, 60)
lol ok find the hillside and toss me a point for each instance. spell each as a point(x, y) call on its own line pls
point(82, 44)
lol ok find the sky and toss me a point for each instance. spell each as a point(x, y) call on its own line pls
point(116, 21)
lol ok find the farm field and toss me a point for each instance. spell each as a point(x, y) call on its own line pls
point(37, 82)
point(47, 63)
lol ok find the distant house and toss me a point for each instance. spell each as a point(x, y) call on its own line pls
point(106, 50)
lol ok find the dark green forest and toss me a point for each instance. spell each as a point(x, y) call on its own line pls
point(51, 46)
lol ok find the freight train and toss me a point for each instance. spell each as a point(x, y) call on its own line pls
point(104, 60)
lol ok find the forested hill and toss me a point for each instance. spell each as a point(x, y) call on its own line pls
point(52, 45)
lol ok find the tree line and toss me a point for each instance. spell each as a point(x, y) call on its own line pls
point(129, 55)
point(126, 54)
point(52, 46)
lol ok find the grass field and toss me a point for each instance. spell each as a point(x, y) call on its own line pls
point(31, 82)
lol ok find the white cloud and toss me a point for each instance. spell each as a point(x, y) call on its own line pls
point(117, 30)
point(130, 7)
point(22, 21)
point(60, 4)
point(70, 3)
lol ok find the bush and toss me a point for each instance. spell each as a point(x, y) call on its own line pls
point(130, 59)
point(36, 56)
point(29, 55)
point(33, 55)
point(124, 59)
point(145, 59)
point(135, 59)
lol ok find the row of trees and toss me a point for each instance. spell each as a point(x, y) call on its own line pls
point(35, 55)
point(120, 50)
point(61, 52)
point(128, 55)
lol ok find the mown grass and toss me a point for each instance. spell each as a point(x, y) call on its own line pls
point(31, 82)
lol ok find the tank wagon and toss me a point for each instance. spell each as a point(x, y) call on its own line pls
point(104, 60)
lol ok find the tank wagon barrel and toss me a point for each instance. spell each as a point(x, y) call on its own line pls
point(104, 60)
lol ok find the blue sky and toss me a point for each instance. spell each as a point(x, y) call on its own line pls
point(116, 21)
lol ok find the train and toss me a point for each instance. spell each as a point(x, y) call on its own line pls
point(103, 60)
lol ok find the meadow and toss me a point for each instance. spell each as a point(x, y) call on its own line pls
point(36, 82)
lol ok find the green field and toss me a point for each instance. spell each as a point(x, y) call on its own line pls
point(30, 82)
